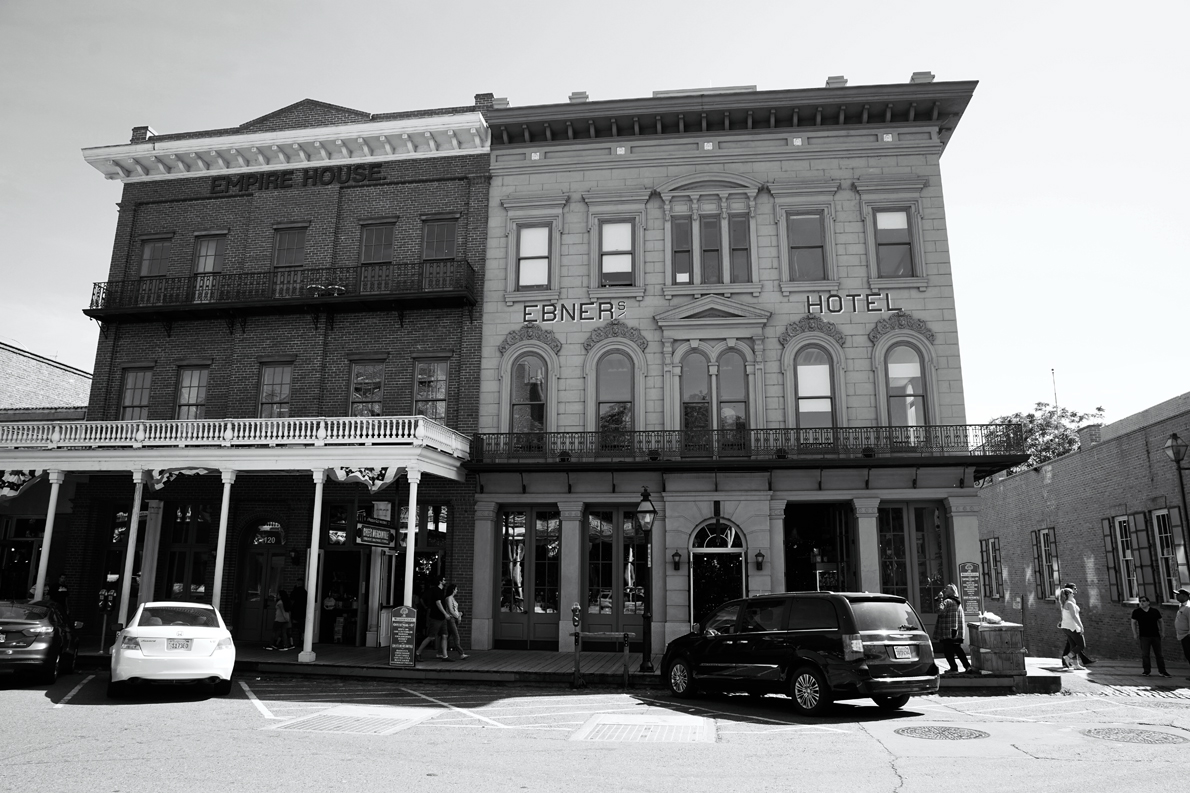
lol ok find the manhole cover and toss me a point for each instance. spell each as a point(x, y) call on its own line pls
point(359, 720)
point(1123, 735)
point(672, 728)
point(942, 733)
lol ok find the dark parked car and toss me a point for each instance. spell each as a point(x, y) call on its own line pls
point(37, 637)
point(817, 647)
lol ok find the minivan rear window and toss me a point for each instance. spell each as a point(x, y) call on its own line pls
point(885, 615)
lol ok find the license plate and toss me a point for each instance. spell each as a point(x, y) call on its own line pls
point(901, 651)
point(177, 644)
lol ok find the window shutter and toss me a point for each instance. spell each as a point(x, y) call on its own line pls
point(1179, 545)
point(1109, 548)
point(1039, 571)
point(986, 559)
point(1143, 548)
point(1055, 569)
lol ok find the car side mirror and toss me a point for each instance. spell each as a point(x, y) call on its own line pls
point(695, 627)
point(78, 626)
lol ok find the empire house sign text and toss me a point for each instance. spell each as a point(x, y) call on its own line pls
point(303, 177)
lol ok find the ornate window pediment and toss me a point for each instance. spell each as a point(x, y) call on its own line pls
point(616, 328)
point(812, 324)
point(530, 331)
point(902, 320)
point(713, 316)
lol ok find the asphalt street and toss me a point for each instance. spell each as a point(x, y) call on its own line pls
point(310, 734)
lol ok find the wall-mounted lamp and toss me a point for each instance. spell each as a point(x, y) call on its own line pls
point(760, 560)
point(677, 557)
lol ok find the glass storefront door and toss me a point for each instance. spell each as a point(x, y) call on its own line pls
point(264, 560)
point(915, 555)
point(615, 568)
point(717, 569)
point(530, 578)
point(191, 556)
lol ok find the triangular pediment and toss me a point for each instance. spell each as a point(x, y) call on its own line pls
point(713, 316)
point(304, 114)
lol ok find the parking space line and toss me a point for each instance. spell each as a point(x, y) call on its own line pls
point(259, 705)
point(460, 710)
point(75, 690)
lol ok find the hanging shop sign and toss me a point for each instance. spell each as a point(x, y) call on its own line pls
point(865, 303)
point(594, 311)
point(299, 177)
point(376, 535)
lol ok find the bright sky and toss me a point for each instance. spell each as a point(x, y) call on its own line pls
point(1064, 182)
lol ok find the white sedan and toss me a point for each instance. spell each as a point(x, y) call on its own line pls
point(173, 643)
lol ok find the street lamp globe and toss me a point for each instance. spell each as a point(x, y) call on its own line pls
point(645, 511)
point(1175, 448)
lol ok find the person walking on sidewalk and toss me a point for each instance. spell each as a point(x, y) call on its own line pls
point(1082, 654)
point(281, 639)
point(454, 640)
point(948, 630)
point(1181, 621)
point(1148, 631)
point(1072, 626)
point(433, 598)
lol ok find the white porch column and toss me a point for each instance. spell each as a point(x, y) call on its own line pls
point(133, 528)
point(151, 548)
point(483, 569)
point(776, 556)
point(964, 526)
point(570, 571)
point(229, 477)
point(414, 477)
point(56, 479)
point(866, 542)
point(307, 655)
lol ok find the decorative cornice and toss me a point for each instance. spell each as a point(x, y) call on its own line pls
point(530, 332)
point(617, 328)
point(812, 324)
point(902, 320)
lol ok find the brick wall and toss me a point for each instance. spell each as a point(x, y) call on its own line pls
point(32, 381)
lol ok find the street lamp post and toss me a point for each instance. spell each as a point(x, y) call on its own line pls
point(645, 513)
point(1175, 448)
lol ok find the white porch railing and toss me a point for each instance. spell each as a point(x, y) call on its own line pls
point(344, 431)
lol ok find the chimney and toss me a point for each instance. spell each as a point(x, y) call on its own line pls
point(484, 101)
point(922, 77)
point(499, 102)
point(837, 81)
point(578, 96)
point(141, 134)
point(1089, 435)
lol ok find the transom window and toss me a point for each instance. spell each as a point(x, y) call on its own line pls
point(894, 251)
point(528, 395)
point(367, 389)
point(430, 399)
point(615, 253)
point(807, 257)
point(376, 244)
point(906, 387)
point(533, 257)
point(192, 393)
point(614, 387)
point(289, 248)
point(717, 535)
point(274, 390)
point(438, 239)
point(135, 404)
point(812, 386)
point(208, 254)
point(155, 258)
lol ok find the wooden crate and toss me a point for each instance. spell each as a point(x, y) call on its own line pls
point(997, 648)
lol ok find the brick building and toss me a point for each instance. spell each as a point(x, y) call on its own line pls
point(742, 301)
point(289, 323)
point(1108, 517)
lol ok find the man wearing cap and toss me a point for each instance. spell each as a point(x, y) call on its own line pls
point(1181, 621)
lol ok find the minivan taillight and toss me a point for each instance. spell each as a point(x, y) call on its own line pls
point(853, 647)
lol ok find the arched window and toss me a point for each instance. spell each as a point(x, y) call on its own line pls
point(528, 395)
point(812, 389)
point(696, 393)
point(733, 393)
point(906, 387)
point(717, 535)
point(614, 392)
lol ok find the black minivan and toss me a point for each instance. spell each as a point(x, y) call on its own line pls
point(817, 647)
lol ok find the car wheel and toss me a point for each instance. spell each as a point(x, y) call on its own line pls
point(222, 688)
point(891, 703)
point(809, 692)
point(117, 689)
point(72, 664)
point(49, 675)
point(681, 678)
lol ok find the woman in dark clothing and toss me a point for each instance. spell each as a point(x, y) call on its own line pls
point(948, 631)
point(297, 601)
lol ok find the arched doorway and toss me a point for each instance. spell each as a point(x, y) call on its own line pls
point(265, 557)
point(717, 569)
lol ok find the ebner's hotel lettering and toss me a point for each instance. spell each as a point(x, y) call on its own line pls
point(573, 312)
point(869, 303)
point(305, 177)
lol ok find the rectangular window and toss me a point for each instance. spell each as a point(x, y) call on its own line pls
point(533, 257)
point(615, 253)
point(1167, 556)
point(708, 229)
point(208, 254)
point(376, 245)
point(192, 393)
point(430, 389)
point(894, 253)
point(274, 390)
point(154, 261)
point(1123, 532)
point(289, 248)
point(989, 552)
point(367, 389)
point(740, 241)
point(683, 251)
point(807, 255)
point(1045, 560)
point(438, 239)
point(135, 404)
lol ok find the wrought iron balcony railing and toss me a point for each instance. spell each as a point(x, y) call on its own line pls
point(296, 284)
point(842, 443)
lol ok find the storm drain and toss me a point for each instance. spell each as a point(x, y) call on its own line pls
point(359, 720)
point(1124, 735)
point(942, 733)
point(668, 728)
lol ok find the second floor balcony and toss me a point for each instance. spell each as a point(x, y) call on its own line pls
point(425, 284)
